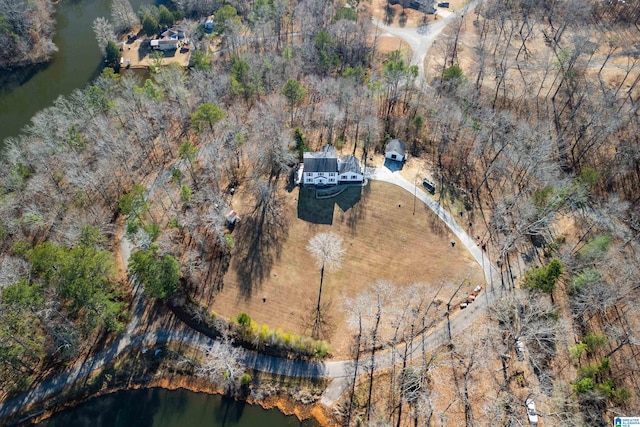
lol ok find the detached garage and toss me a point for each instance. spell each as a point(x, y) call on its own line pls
point(396, 150)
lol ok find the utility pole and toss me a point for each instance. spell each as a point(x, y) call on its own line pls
point(415, 189)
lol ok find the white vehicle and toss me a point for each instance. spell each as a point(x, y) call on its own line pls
point(531, 411)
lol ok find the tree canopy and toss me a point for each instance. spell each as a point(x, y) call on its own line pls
point(543, 278)
point(159, 274)
point(206, 116)
point(85, 278)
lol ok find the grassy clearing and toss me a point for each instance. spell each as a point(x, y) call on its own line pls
point(383, 239)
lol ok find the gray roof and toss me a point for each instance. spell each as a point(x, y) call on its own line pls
point(397, 146)
point(176, 30)
point(324, 161)
point(349, 164)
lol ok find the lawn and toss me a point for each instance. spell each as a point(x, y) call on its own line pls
point(383, 240)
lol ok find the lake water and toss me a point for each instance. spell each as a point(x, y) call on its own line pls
point(77, 62)
point(27, 91)
point(158, 407)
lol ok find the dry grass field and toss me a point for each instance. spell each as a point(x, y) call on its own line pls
point(411, 17)
point(539, 65)
point(382, 238)
point(387, 43)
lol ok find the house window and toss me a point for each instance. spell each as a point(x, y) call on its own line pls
point(353, 177)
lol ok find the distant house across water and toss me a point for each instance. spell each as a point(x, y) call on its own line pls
point(170, 39)
point(165, 44)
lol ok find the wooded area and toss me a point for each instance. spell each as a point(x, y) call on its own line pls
point(531, 124)
point(26, 29)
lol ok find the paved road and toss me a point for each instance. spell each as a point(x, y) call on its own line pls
point(420, 41)
point(341, 371)
point(422, 38)
point(459, 322)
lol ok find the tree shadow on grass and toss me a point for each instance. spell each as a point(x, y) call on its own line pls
point(322, 322)
point(261, 237)
point(436, 225)
point(211, 282)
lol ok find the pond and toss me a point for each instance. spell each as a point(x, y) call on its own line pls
point(156, 407)
point(26, 91)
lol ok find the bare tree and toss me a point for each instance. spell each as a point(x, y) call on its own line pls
point(104, 32)
point(327, 250)
point(534, 323)
point(123, 15)
point(222, 364)
point(12, 269)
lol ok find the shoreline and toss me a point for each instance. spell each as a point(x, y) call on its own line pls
point(282, 402)
point(24, 64)
point(42, 35)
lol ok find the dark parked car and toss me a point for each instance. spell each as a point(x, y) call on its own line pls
point(443, 4)
point(429, 185)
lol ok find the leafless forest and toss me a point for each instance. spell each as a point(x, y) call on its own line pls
point(532, 123)
point(26, 29)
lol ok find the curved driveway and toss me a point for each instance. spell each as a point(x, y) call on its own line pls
point(420, 41)
point(341, 371)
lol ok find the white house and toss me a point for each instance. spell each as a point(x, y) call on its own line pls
point(396, 150)
point(325, 168)
point(169, 39)
point(176, 32)
point(321, 168)
point(165, 44)
point(349, 170)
